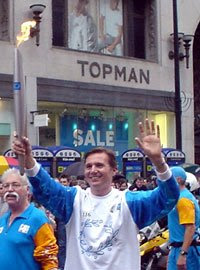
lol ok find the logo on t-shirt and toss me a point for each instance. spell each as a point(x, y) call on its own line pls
point(24, 228)
point(1, 229)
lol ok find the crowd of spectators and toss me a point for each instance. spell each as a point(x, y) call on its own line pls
point(139, 183)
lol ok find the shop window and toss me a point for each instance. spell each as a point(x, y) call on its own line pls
point(4, 20)
point(115, 27)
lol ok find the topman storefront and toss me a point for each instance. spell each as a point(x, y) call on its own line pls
point(99, 112)
point(85, 115)
point(94, 96)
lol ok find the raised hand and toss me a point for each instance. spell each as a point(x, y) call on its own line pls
point(149, 142)
point(23, 147)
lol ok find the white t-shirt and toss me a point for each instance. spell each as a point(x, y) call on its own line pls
point(96, 232)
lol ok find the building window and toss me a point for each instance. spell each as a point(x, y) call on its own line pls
point(59, 25)
point(4, 20)
point(115, 27)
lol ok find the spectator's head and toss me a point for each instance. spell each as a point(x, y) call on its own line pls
point(17, 189)
point(118, 179)
point(83, 184)
point(139, 182)
point(123, 184)
point(152, 182)
point(81, 181)
point(64, 180)
point(73, 182)
point(179, 174)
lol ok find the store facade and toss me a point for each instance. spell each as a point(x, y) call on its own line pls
point(95, 94)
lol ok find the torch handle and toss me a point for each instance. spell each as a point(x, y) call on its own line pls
point(21, 164)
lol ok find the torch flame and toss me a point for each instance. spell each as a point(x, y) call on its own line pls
point(25, 32)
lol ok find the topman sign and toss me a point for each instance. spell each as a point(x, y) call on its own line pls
point(108, 71)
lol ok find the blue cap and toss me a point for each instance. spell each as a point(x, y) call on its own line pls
point(179, 172)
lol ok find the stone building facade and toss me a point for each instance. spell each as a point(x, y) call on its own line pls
point(101, 67)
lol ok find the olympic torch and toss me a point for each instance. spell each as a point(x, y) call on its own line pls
point(19, 102)
point(19, 88)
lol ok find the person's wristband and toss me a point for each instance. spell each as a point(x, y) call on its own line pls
point(164, 175)
point(33, 171)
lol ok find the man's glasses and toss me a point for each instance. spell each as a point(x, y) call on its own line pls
point(13, 185)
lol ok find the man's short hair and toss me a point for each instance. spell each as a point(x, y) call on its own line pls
point(63, 176)
point(23, 178)
point(108, 152)
point(140, 178)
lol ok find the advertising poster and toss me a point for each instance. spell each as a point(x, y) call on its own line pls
point(95, 26)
